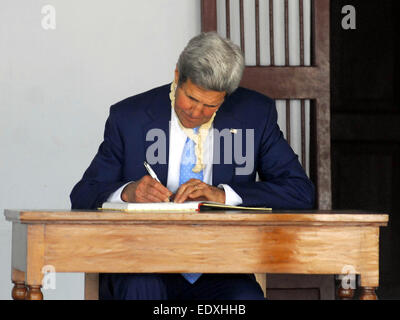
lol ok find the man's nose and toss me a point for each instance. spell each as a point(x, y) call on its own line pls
point(197, 110)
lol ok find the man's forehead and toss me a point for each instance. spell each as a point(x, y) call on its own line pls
point(207, 96)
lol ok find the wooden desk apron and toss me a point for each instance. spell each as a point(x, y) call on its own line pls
point(313, 242)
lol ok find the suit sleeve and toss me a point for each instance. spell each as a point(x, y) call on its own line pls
point(284, 184)
point(104, 173)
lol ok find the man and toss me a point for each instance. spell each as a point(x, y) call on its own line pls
point(192, 162)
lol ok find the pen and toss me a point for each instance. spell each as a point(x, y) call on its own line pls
point(150, 171)
point(153, 175)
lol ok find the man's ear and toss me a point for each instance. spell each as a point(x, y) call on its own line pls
point(176, 75)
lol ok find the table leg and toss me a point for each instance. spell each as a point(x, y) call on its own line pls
point(34, 293)
point(345, 294)
point(19, 290)
point(368, 293)
point(35, 262)
point(369, 265)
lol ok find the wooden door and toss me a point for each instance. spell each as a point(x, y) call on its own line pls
point(285, 82)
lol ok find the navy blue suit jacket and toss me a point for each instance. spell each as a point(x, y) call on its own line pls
point(120, 157)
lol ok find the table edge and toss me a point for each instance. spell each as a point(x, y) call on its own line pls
point(93, 217)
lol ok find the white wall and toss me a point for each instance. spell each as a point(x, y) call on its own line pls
point(56, 87)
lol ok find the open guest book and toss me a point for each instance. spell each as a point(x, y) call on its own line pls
point(171, 206)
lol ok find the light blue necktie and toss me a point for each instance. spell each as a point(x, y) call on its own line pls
point(188, 161)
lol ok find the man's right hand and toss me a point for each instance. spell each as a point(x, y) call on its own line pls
point(146, 189)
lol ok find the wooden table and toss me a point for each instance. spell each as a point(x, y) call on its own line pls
point(294, 242)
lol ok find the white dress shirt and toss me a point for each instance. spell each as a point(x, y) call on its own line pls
point(177, 141)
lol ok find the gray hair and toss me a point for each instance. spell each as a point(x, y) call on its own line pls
point(211, 62)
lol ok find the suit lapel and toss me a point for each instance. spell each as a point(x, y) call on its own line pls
point(223, 169)
point(157, 130)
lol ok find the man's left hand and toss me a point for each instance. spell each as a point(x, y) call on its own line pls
point(197, 190)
